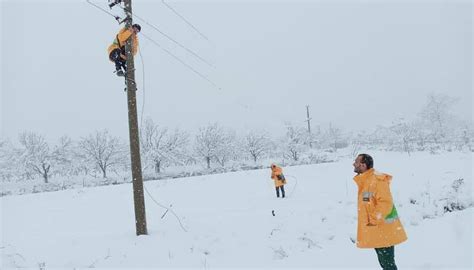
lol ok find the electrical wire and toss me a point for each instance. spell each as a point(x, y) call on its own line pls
point(167, 208)
point(170, 38)
point(184, 19)
point(181, 61)
point(117, 18)
point(143, 81)
point(141, 121)
point(157, 44)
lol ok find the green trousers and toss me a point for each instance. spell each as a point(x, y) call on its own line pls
point(386, 257)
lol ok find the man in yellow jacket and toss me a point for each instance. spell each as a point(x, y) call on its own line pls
point(378, 225)
point(279, 179)
point(117, 52)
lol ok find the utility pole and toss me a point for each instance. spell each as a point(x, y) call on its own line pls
point(138, 196)
point(309, 125)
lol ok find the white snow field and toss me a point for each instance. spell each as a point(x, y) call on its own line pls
point(229, 223)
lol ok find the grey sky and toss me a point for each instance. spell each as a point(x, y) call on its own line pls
point(349, 60)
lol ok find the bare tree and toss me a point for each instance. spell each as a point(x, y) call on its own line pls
point(437, 115)
point(209, 140)
point(8, 160)
point(161, 147)
point(227, 150)
point(35, 154)
point(64, 154)
point(295, 141)
point(102, 150)
point(466, 135)
point(405, 134)
point(257, 145)
point(335, 136)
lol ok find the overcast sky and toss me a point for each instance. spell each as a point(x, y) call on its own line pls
point(357, 64)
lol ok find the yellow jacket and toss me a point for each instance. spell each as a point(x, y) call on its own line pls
point(378, 222)
point(276, 171)
point(121, 38)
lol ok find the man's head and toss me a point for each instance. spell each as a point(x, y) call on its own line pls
point(136, 28)
point(362, 163)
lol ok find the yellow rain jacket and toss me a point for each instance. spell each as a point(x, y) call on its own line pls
point(121, 38)
point(276, 171)
point(378, 222)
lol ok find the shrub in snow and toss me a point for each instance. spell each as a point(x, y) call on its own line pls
point(457, 196)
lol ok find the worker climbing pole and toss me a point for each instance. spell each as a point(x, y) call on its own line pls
point(121, 52)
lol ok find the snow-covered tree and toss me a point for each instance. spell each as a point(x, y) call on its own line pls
point(8, 160)
point(465, 136)
point(404, 134)
point(335, 137)
point(35, 154)
point(437, 115)
point(103, 151)
point(295, 142)
point(161, 147)
point(228, 149)
point(257, 145)
point(209, 140)
point(64, 154)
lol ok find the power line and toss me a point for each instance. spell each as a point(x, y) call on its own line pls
point(170, 38)
point(184, 19)
point(161, 47)
point(117, 18)
point(181, 61)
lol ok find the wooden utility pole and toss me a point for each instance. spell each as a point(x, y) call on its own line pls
point(138, 196)
point(309, 125)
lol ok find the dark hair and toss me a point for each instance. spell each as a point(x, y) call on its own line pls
point(138, 27)
point(367, 160)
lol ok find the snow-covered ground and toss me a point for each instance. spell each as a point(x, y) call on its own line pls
point(228, 220)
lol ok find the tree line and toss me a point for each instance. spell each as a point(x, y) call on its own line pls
point(213, 145)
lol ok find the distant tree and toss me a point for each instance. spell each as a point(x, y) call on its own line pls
point(295, 142)
point(161, 147)
point(466, 136)
point(227, 150)
point(421, 134)
point(8, 160)
point(437, 115)
point(209, 140)
point(257, 144)
point(335, 137)
point(102, 150)
point(405, 134)
point(64, 154)
point(35, 154)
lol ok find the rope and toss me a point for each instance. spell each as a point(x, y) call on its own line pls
point(294, 187)
point(170, 38)
point(141, 121)
point(167, 209)
point(184, 19)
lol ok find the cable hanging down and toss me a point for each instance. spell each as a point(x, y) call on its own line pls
point(170, 38)
point(184, 19)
